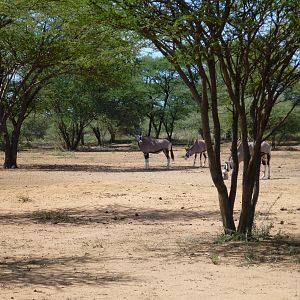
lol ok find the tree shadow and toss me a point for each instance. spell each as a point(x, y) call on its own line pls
point(110, 148)
point(280, 251)
point(57, 271)
point(98, 168)
point(111, 214)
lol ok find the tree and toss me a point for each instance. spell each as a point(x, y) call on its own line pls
point(123, 106)
point(283, 122)
point(164, 91)
point(38, 42)
point(32, 50)
point(179, 105)
point(160, 79)
point(254, 44)
point(72, 101)
point(288, 130)
point(29, 48)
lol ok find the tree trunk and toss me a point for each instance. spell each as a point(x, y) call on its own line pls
point(112, 137)
point(225, 208)
point(169, 129)
point(78, 132)
point(64, 135)
point(82, 139)
point(97, 133)
point(214, 164)
point(149, 126)
point(250, 194)
point(273, 141)
point(235, 172)
point(11, 148)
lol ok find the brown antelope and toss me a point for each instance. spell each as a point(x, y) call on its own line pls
point(148, 145)
point(265, 150)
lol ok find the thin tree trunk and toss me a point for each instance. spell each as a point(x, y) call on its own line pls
point(82, 139)
point(225, 208)
point(235, 172)
point(65, 135)
point(97, 133)
point(150, 126)
point(214, 166)
point(77, 134)
point(254, 200)
point(162, 115)
point(250, 193)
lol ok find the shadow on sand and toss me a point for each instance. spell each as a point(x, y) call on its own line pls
point(57, 271)
point(278, 250)
point(99, 168)
point(111, 214)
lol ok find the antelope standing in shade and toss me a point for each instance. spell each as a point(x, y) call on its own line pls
point(265, 150)
point(148, 145)
point(198, 147)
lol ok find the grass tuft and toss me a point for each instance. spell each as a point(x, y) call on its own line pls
point(216, 260)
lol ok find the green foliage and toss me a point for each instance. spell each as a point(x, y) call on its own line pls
point(226, 237)
point(284, 120)
point(35, 127)
point(188, 128)
point(124, 105)
point(72, 103)
point(167, 98)
point(290, 128)
point(40, 41)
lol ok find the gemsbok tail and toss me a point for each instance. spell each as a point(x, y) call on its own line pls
point(172, 154)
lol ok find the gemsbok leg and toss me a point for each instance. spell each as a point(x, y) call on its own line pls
point(166, 152)
point(265, 159)
point(195, 160)
point(202, 165)
point(204, 159)
point(146, 155)
point(268, 162)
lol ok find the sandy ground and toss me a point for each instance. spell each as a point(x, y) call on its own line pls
point(96, 225)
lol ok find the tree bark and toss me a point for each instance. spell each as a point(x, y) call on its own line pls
point(82, 142)
point(11, 148)
point(235, 171)
point(214, 163)
point(250, 193)
point(97, 133)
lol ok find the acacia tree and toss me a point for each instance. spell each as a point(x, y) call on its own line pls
point(33, 51)
point(160, 78)
point(284, 124)
point(180, 105)
point(122, 107)
point(72, 102)
point(167, 100)
point(28, 53)
point(253, 43)
point(40, 41)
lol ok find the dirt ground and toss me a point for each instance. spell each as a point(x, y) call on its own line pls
point(96, 225)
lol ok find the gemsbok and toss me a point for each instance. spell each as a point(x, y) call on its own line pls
point(148, 145)
point(198, 147)
point(265, 150)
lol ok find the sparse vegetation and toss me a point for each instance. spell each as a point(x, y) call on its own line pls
point(57, 216)
point(24, 199)
point(223, 237)
point(216, 260)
